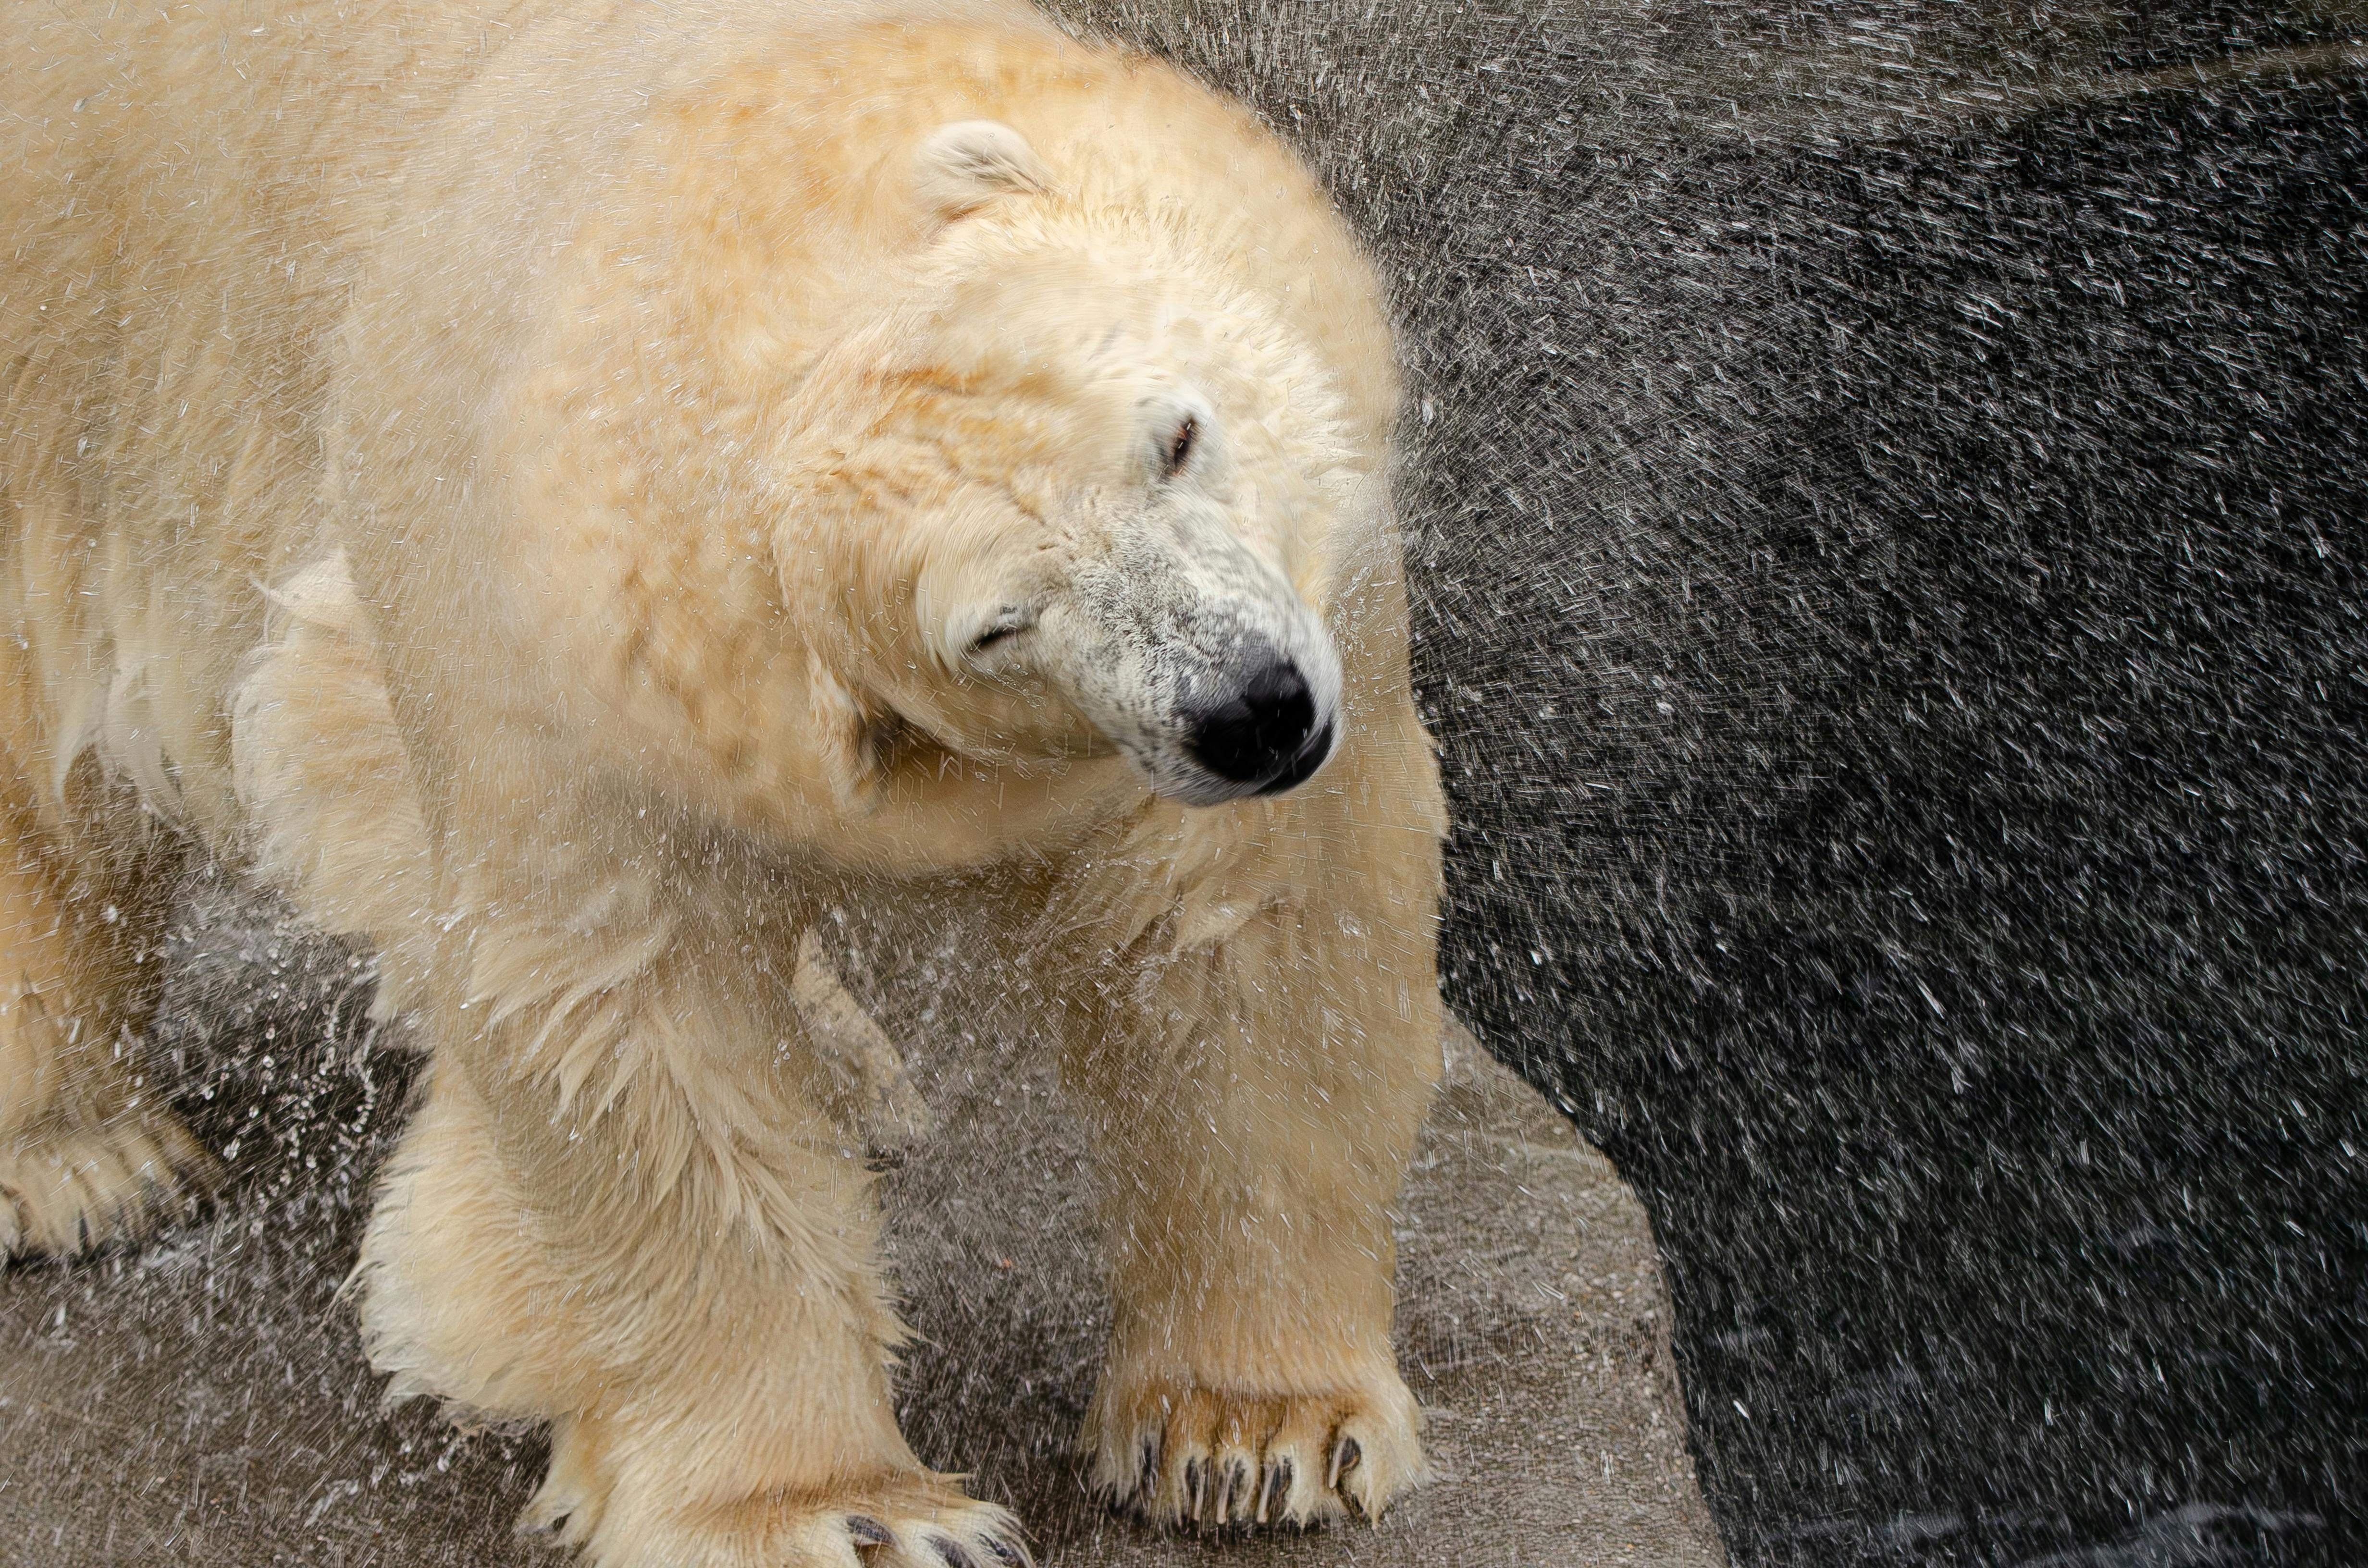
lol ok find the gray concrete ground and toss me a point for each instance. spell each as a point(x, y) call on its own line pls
point(204, 1402)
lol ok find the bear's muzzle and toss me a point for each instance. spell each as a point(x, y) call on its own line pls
point(1266, 734)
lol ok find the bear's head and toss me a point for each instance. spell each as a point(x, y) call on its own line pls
point(912, 486)
point(1076, 490)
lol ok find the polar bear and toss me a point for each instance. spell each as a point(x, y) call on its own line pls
point(571, 489)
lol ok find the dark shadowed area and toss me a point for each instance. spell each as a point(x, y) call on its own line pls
point(1888, 483)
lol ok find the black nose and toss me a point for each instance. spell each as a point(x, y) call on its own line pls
point(1262, 734)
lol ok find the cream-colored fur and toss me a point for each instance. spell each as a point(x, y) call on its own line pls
point(569, 490)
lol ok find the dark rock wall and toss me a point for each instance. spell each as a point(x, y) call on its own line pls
point(1890, 488)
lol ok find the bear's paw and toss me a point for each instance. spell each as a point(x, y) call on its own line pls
point(1209, 1460)
point(915, 1520)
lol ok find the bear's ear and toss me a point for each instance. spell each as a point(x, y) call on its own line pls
point(965, 163)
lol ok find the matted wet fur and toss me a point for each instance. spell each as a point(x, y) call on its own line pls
point(570, 491)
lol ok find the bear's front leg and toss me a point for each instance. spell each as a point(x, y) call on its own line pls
point(1259, 1059)
point(619, 1209)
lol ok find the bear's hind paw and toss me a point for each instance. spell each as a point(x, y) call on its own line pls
point(907, 1521)
point(72, 1190)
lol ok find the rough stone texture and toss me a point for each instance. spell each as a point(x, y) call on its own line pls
point(203, 1401)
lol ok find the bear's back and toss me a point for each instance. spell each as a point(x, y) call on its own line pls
point(189, 198)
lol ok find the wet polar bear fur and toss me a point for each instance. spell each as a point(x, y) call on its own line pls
point(570, 492)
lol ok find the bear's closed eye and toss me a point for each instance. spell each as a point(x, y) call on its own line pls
point(998, 633)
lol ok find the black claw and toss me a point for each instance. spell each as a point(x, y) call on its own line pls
point(869, 1531)
point(1007, 1551)
point(951, 1550)
point(1237, 1490)
point(1278, 1490)
point(1344, 1459)
point(1150, 1481)
point(550, 1526)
